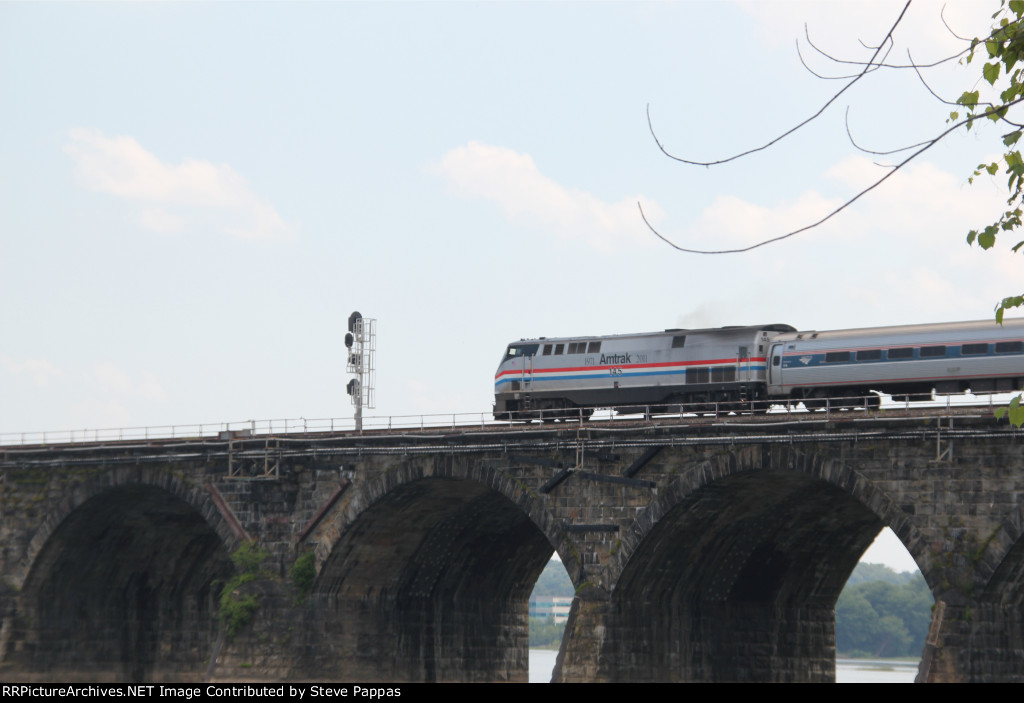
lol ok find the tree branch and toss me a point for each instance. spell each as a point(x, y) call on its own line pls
point(925, 146)
point(942, 16)
point(925, 83)
point(876, 153)
point(871, 66)
point(851, 83)
point(815, 73)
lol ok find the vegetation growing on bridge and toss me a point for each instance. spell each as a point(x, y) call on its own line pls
point(303, 574)
point(237, 608)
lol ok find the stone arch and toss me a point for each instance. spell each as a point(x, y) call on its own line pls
point(733, 571)
point(78, 493)
point(786, 458)
point(430, 575)
point(1000, 561)
point(997, 616)
point(120, 580)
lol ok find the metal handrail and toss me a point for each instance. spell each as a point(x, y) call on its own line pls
point(698, 412)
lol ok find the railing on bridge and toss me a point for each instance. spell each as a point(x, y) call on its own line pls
point(383, 424)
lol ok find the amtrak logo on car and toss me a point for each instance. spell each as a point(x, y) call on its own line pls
point(615, 359)
point(805, 360)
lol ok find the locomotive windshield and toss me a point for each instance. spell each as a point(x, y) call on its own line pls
point(515, 350)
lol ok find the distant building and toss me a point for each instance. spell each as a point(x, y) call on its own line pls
point(551, 606)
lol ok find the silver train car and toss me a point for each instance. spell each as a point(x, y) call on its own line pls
point(552, 377)
point(909, 362)
point(755, 366)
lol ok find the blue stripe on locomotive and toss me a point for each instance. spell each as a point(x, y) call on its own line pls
point(538, 378)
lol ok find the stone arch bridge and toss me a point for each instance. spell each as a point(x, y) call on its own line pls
point(699, 552)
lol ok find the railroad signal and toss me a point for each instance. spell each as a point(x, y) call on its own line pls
point(361, 343)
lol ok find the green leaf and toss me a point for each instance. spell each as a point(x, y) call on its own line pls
point(971, 236)
point(1014, 301)
point(1009, 58)
point(1011, 138)
point(992, 168)
point(1014, 412)
point(968, 99)
point(991, 72)
point(987, 238)
point(1017, 7)
point(954, 116)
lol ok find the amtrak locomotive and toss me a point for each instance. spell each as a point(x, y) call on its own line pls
point(755, 366)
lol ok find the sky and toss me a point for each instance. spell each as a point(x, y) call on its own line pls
point(196, 195)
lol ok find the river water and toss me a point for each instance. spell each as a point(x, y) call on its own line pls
point(542, 661)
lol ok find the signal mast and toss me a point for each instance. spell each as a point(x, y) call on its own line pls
point(361, 341)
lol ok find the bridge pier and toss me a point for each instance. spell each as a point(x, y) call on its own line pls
point(710, 643)
point(973, 641)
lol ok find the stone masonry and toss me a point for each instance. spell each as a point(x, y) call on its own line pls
point(700, 551)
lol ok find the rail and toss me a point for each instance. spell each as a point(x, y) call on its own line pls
point(384, 424)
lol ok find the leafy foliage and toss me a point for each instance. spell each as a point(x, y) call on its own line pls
point(866, 572)
point(545, 633)
point(237, 608)
point(553, 581)
point(303, 574)
point(1002, 51)
point(886, 616)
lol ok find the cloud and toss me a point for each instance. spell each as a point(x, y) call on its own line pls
point(733, 223)
point(840, 27)
point(112, 380)
point(99, 414)
point(39, 370)
point(897, 255)
point(513, 182)
point(198, 192)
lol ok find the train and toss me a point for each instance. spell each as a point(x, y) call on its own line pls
point(755, 367)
